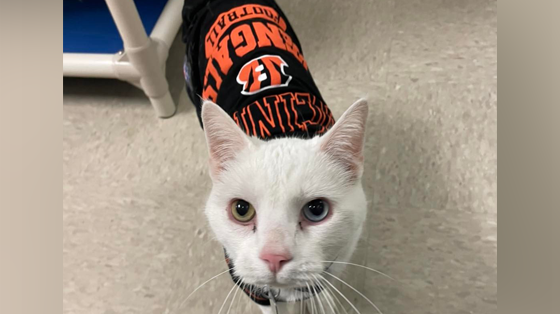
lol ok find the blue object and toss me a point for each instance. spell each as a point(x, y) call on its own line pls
point(89, 27)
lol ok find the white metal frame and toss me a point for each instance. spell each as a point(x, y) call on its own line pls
point(142, 63)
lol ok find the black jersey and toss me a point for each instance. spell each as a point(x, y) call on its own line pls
point(244, 56)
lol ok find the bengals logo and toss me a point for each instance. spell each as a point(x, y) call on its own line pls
point(263, 73)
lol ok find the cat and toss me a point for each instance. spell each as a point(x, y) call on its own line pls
point(284, 238)
point(287, 203)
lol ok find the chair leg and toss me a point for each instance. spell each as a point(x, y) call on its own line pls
point(142, 52)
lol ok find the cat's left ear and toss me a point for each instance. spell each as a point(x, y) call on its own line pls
point(345, 140)
point(224, 138)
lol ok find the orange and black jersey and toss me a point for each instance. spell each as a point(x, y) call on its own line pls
point(244, 56)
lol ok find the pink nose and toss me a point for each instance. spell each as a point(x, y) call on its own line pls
point(275, 261)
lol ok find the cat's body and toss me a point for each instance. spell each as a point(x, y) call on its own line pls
point(287, 202)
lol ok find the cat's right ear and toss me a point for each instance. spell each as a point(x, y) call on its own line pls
point(223, 137)
point(345, 140)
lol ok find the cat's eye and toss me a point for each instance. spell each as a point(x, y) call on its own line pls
point(242, 211)
point(316, 210)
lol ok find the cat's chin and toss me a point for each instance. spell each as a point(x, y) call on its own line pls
point(292, 284)
point(278, 285)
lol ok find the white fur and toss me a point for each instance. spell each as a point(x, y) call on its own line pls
point(278, 177)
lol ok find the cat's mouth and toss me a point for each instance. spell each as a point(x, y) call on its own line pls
point(261, 292)
point(281, 293)
point(298, 285)
point(305, 281)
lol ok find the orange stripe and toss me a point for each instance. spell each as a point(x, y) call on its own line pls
point(320, 115)
point(244, 120)
point(248, 7)
point(329, 114)
point(324, 113)
point(279, 116)
point(269, 118)
point(263, 127)
point(286, 110)
point(311, 105)
point(252, 122)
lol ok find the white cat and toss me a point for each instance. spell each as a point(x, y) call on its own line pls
point(286, 208)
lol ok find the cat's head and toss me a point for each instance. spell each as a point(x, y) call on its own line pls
point(282, 208)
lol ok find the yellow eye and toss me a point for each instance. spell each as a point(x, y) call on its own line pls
point(242, 211)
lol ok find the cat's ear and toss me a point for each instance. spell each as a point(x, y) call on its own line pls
point(223, 137)
point(345, 140)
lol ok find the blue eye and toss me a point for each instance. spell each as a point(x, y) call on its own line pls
point(316, 210)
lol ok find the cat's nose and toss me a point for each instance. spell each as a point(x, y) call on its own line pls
point(275, 261)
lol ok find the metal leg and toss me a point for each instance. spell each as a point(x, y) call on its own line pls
point(143, 55)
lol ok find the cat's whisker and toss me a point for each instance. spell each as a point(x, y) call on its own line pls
point(316, 296)
point(202, 285)
point(325, 293)
point(332, 296)
point(341, 294)
point(328, 297)
point(227, 296)
point(301, 303)
point(313, 302)
point(321, 297)
point(233, 299)
point(205, 243)
point(331, 292)
point(355, 290)
point(362, 266)
point(319, 301)
point(311, 299)
point(243, 286)
point(330, 301)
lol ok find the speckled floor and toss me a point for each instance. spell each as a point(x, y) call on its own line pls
point(135, 238)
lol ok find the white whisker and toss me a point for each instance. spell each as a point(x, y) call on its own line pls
point(336, 298)
point(358, 265)
point(325, 293)
point(341, 294)
point(233, 299)
point(301, 303)
point(311, 299)
point(227, 297)
point(319, 299)
point(355, 290)
point(204, 283)
point(330, 301)
point(243, 286)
